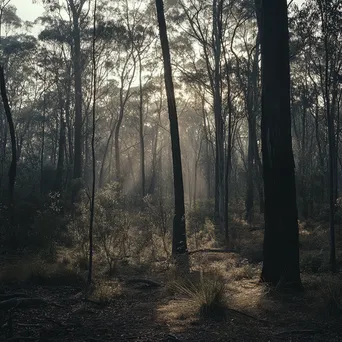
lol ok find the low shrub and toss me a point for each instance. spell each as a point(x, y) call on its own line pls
point(207, 294)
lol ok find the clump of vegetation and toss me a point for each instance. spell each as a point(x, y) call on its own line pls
point(206, 295)
point(245, 271)
point(104, 292)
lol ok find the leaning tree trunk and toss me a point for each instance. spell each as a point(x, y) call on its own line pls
point(179, 244)
point(13, 167)
point(281, 240)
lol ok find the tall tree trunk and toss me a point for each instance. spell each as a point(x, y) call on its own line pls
point(12, 173)
point(61, 150)
point(117, 143)
point(252, 105)
point(92, 202)
point(323, 6)
point(179, 244)
point(281, 240)
point(141, 131)
point(219, 125)
point(76, 11)
point(42, 150)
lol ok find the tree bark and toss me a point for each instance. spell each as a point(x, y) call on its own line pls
point(12, 173)
point(281, 240)
point(76, 11)
point(179, 243)
point(141, 132)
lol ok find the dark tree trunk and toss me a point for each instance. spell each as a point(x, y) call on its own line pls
point(13, 167)
point(252, 106)
point(219, 124)
point(93, 157)
point(117, 142)
point(61, 150)
point(76, 11)
point(141, 131)
point(281, 240)
point(179, 244)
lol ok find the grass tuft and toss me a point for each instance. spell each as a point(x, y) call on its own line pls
point(207, 295)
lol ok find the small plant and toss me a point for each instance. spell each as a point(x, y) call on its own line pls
point(244, 272)
point(104, 293)
point(207, 295)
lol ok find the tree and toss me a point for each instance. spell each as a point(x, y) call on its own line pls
point(179, 244)
point(92, 201)
point(13, 167)
point(281, 240)
point(76, 11)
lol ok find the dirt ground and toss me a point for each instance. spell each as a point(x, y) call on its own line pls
point(140, 312)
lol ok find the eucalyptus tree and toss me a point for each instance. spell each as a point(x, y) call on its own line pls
point(179, 242)
point(281, 239)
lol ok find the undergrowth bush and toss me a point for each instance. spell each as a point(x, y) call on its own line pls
point(200, 226)
point(206, 294)
point(103, 293)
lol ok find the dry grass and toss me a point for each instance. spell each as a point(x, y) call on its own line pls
point(206, 295)
point(105, 292)
point(246, 271)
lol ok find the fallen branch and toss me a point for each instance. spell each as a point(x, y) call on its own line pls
point(213, 250)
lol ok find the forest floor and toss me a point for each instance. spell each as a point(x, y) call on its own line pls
point(126, 308)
